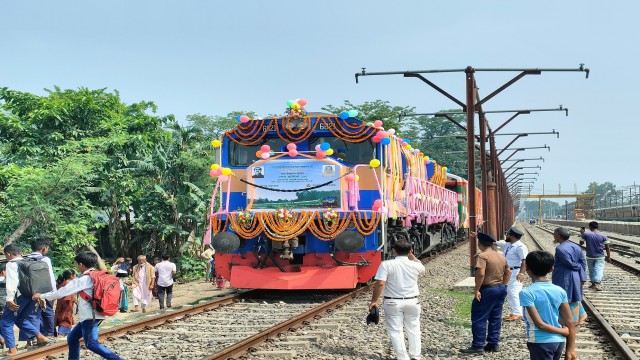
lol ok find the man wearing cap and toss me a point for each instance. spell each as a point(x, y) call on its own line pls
point(515, 252)
point(492, 275)
point(397, 282)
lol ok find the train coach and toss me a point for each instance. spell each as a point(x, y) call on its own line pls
point(315, 201)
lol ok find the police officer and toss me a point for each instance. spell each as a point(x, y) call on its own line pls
point(515, 252)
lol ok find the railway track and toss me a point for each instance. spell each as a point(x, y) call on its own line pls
point(225, 327)
point(610, 311)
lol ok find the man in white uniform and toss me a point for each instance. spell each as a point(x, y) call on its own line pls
point(515, 252)
point(166, 270)
point(397, 282)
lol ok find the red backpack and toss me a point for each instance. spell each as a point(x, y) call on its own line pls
point(106, 293)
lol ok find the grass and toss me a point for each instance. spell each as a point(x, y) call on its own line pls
point(461, 306)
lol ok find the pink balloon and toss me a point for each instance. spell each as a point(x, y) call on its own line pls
point(382, 210)
point(318, 147)
point(293, 152)
point(265, 155)
point(376, 139)
point(378, 202)
point(350, 178)
point(223, 178)
point(217, 172)
point(377, 123)
point(212, 173)
point(265, 148)
point(302, 102)
point(321, 154)
point(244, 119)
point(375, 207)
point(382, 134)
point(291, 146)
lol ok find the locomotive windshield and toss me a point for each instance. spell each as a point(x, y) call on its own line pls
point(243, 155)
point(351, 153)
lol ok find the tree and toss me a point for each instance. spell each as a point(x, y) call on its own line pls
point(370, 111)
point(213, 126)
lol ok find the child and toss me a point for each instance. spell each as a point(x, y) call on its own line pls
point(544, 303)
point(3, 294)
point(63, 319)
point(89, 320)
point(123, 276)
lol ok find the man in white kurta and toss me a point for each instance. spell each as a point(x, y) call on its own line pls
point(515, 252)
point(143, 277)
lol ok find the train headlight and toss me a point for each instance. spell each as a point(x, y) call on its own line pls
point(225, 242)
point(349, 241)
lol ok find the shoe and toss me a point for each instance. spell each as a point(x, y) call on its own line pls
point(512, 318)
point(144, 311)
point(592, 286)
point(472, 350)
point(492, 348)
point(161, 307)
point(598, 287)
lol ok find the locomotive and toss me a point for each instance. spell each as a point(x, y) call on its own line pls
point(315, 201)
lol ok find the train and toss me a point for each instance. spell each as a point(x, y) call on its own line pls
point(316, 200)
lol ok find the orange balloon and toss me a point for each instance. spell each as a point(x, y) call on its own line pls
point(259, 153)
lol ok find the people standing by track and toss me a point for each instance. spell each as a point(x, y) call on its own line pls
point(397, 283)
point(143, 279)
point(45, 319)
point(165, 271)
point(545, 305)
point(492, 275)
point(596, 244)
point(515, 251)
point(570, 271)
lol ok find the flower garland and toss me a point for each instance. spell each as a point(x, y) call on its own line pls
point(281, 230)
point(217, 225)
point(244, 218)
point(328, 231)
point(329, 216)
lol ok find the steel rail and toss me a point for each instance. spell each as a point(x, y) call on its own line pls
point(244, 346)
point(136, 326)
point(621, 346)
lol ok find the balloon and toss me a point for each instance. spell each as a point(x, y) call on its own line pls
point(344, 115)
point(357, 177)
point(374, 163)
point(244, 119)
point(317, 147)
point(375, 207)
point(212, 173)
point(407, 141)
point(369, 124)
point(321, 154)
point(378, 202)
point(385, 141)
point(258, 153)
point(448, 171)
point(218, 171)
point(391, 131)
point(226, 171)
point(382, 134)
point(265, 148)
point(223, 178)
point(403, 143)
point(350, 178)
point(377, 123)
point(376, 139)
point(329, 152)
point(215, 167)
point(353, 113)
point(295, 106)
point(289, 103)
point(291, 146)
point(425, 158)
point(382, 210)
point(265, 155)
point(216, 143)
point(325, 146)
point(293, 152)
point(302, 102)
point(238, 118)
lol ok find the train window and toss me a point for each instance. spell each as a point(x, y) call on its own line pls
point(244, 155)
point(351, 153)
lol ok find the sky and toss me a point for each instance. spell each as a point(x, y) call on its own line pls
point(214, 57)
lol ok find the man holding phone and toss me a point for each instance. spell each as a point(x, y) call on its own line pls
point(596, 244)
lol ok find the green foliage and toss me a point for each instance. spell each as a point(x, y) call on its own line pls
point(192, 268)
point(214, 126)
point(370, 111)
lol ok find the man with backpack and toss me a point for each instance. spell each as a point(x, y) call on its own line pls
point(99, 293)
point(20, 307)
point(40, 248)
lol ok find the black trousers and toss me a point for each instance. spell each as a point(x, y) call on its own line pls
point(161, 291)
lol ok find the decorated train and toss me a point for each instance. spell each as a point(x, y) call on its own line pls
point(314, 200)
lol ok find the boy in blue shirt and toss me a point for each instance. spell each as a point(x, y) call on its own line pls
point(544, 303)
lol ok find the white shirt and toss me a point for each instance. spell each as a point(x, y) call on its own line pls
point(38, 256)
point(400, 276)
point(514, 252)
point(12, 279)
point(165, 271)
point(85, 310)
